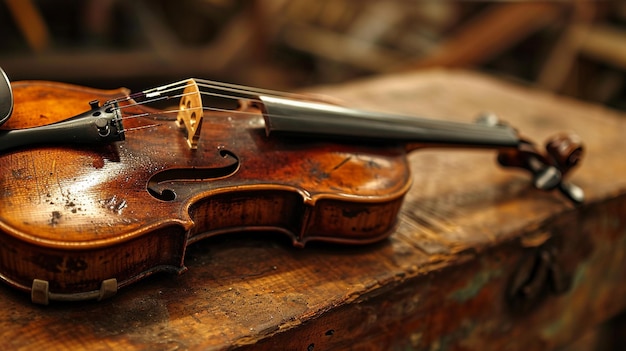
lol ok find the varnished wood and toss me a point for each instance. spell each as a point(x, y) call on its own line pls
point(441, 278)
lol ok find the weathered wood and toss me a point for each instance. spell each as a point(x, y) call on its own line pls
point(490, 33)
point(442, 281)
point(31, 23)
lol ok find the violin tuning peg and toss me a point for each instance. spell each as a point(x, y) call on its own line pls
point(550, 178)
point(547, 178)
point(565, 150)
point(572, 192)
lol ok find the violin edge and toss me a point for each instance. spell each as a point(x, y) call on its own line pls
point(187, 222)
point(92, 273)
point(71, 87)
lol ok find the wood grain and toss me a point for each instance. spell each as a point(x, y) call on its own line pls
point(439, 282)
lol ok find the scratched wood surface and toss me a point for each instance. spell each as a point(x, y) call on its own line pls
point(440, 282)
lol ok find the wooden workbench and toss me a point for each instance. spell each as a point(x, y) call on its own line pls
point(444, 281)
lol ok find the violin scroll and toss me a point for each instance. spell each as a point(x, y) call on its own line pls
point(566, 150)
point(563, 153)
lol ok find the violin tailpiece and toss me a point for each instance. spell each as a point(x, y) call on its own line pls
point(190, 115)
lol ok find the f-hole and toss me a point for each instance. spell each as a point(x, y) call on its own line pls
point(162, 185)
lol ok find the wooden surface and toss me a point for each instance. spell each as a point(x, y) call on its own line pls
point(441, 282)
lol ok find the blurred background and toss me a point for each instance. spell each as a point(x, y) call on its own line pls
point(576, 48)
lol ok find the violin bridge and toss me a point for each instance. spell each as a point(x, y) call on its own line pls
point(190, 113)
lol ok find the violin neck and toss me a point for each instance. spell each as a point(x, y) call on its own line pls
point(287, 116)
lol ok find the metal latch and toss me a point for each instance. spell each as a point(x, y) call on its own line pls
point(539, 275)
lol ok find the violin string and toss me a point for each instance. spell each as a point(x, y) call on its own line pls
point(153, 100)
point(225, 91)
point(225, 96)
point(241, 89)
point(204, 108)
point(152, 94)
point(215, 109)
point(148, 114)
point(144, 102)
point(132, 129)
point(250, 93)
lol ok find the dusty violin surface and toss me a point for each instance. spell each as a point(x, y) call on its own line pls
point(102, 188)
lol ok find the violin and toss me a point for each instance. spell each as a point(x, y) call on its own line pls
point(100, 189)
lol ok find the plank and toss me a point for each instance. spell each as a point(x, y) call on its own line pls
point(490, 33)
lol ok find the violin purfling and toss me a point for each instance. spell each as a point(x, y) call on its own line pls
point(102, 188)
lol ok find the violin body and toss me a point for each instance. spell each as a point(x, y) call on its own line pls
point(79, 222)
